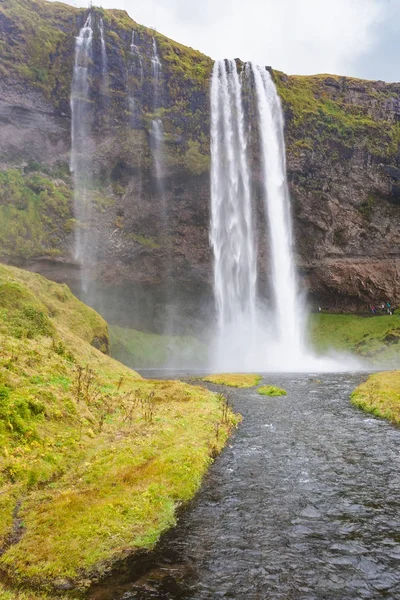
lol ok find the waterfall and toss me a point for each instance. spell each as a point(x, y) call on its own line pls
point(104, 60)
point(135, 51)
point(80, 141)
point(232, 234)
point(288, 309)
point(157, 129)
point(156, 72)
point(247, 336)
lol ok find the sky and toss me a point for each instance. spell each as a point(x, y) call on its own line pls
point(359, 38)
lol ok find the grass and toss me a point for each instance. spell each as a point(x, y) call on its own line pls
point(380, 395)
point(271, 390)
point(139, 349)
point(96, 458)
point(237, 380)
point(6, 594)
point(376, 338)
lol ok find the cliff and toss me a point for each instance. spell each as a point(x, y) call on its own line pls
point(342, 140)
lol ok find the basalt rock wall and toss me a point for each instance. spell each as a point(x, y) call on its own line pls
point(342, 152)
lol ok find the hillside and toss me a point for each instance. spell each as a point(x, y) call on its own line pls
point(94, 459)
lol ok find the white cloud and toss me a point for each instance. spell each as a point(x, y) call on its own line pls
point(296, 36)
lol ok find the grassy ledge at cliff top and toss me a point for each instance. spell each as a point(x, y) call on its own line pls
point(237, 380)
point(380, 395)
point(271, 390)
point(94, 460)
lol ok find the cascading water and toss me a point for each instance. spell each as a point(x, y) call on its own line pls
point(232, 234)
point(247, 337)
point(288, 311)
point(104, 59)
point(156, 72)
point(80, 143)
point(135, 51)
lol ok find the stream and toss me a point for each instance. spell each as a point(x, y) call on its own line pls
point(303, 504)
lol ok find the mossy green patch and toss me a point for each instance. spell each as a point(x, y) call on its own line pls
point(94, 458)
point(271, 390)
point(376, 338)
point(35, 213)
point(237, 380)
point(380, 395)
point(318, 117)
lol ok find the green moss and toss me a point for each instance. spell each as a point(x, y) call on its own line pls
point(238, 380)
point(377, 338)
point(144, 240)
point(36, 49)
point(380, 395)
point(271, 390)
point(315, 115)
point(34, 214)
point(95, 458)
point(196, 162)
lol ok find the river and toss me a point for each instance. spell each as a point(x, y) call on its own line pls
point(303, 504)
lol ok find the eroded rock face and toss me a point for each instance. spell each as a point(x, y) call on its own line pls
point(152, 248)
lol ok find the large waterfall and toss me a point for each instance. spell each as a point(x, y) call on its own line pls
point(232, 234)
point(80, 142)
point(248, 336)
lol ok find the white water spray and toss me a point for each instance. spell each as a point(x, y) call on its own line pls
point(232, 234)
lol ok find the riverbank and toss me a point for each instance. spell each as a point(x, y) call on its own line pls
point(380, 395)
point(95, 460)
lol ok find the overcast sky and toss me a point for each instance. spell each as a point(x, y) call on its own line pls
point(346, 37)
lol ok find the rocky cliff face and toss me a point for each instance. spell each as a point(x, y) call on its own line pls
point(343, 161)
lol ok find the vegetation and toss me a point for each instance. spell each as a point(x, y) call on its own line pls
point(234, 380)
point(35, 213)
point(271, 390)
point(320, 111)
point(139, 349)
point(35, 48)
point(376, 338)
point(380, 395)
point(94, 459)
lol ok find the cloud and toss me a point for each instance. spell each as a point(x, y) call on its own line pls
point(295, 36)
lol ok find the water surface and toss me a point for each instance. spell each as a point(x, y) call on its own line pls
point(302, 505)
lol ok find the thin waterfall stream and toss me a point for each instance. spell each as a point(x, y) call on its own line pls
point(80, 142)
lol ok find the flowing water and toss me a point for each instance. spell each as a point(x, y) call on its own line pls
point(232, 234)
point(248, 336)
point(81, 150)
point(303, 504)
point(104, 59)
point(288, 312)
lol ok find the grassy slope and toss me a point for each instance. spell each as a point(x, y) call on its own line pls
point(380, 395)
point(377, 338)
point(138, 349)
point(99, 466)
